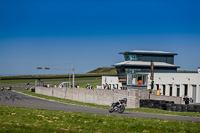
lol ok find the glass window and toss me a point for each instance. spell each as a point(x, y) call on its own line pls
point(126, 57)
point(131, 57)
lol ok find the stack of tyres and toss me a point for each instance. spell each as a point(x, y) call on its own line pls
point(169, 106)
point(141, 103)
point(184, 108)
point(190, 108)
point(178, 108)
point(144, 103)
point(163, 106)
point(172, 102)
point(151, 105)
point(196, 108)
point(158, 104)
point(174, 107)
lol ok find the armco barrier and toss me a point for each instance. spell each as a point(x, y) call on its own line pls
point(96, 96)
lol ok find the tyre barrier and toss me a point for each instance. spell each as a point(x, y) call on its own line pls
point(169, 106)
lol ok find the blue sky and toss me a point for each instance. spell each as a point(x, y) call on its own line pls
point(91, 33)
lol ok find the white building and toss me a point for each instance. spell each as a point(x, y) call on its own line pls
point(137, 67)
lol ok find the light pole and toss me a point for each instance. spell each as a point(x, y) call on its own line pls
point(73, 71)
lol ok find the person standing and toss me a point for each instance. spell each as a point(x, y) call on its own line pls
point(158, 92)
point(139, 82)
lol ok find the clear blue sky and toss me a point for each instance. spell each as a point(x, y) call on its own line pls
point(91, 33)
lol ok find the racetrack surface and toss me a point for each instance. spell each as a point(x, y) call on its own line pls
point(11, 98)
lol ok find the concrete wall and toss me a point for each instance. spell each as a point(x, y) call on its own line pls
point(96, 96)
point(104, 97)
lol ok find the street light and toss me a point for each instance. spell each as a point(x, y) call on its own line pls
point(73, 69)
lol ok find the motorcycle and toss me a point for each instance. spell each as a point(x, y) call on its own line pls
point(118, 106)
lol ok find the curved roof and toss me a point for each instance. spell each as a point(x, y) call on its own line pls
point(148, 52)
point(145, 64)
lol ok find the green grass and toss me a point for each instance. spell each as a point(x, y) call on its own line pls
point(5, 82)
point(105, 70)
point(141, 110)
point(23, 120)
point(19, 81)
point(94, 84)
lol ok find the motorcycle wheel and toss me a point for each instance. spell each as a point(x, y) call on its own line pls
point(111, 110)
point(121, 109)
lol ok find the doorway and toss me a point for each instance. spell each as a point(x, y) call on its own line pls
point(185, 90)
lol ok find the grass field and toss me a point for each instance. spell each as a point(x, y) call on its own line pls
point(142, 110)
point(26, 120)
point(79, 81)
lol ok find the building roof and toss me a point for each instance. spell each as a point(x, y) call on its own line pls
point(148, 52)
point(145, 64)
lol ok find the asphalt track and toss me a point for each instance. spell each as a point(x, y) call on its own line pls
point(11, 98)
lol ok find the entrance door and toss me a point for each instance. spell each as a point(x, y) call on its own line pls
point(170, 90)
point(194, 93)
point(178, 91)
point(186, 90)
point(163, 89)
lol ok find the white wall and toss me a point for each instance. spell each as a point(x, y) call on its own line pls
point(174, 79)
point(111, 80)
point(168, 79)
point(198, 86)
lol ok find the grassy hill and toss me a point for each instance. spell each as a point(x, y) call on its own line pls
point(94, 73)
point(103, 70)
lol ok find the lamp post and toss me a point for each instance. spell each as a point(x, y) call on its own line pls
point(73, 74)
point(73, 70)
point(152, 75)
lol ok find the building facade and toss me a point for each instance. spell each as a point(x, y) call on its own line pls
point(136, 67)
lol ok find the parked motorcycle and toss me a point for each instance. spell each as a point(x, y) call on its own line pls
point(118, 106)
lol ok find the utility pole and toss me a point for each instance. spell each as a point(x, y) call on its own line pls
point(151, 77)
point(73, 73)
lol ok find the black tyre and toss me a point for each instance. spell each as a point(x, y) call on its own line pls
point(179, 108)
point(111, 110)
point(191, 108)
point(184, 108)
point(174, 108)
point(121, 109)
point(197, 108)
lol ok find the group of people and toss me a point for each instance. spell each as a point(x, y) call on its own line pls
point(156, 92)
point(106, 87)
point(88, 86)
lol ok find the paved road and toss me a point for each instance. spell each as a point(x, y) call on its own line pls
point(11, 98)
